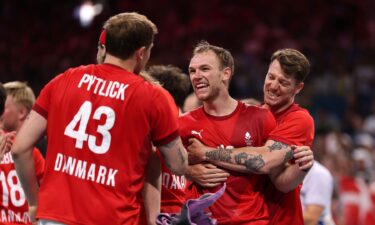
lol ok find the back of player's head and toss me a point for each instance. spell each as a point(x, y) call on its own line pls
point(173, 80)
point(21, 93)
point(127, 32)
point(293, 63)
point(224, 56)
point(3, 97)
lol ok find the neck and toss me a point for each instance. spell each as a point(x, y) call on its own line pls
point(127, 64)
point(221, 106)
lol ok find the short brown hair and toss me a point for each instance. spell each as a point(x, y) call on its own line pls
point(224, 56)
point(173, 80)
point(21, 93)
point(293, 63)
point(127, 32)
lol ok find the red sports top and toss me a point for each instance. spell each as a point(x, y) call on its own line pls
point(13, 207)
point(172, 191)
point(101, 120)
point(295, 126)
point(243, 200)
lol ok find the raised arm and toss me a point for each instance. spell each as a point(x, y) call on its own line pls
point(259, 160)
point(175, 156)
point(22, 153)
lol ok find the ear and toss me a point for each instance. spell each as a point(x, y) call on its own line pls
point(299, 87)
point(227, 74)
point(140, 53)
point(23, 112)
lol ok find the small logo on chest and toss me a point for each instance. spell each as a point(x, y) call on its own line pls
point(199, 133)
point(248, 139)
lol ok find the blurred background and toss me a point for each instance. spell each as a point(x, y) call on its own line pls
point(40, 39)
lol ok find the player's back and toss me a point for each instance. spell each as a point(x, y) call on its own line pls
point(100, 128)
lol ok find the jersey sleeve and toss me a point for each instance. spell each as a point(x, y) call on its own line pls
point(164, 118)
point(39, 164)
point(42, 103)
point(296, 129)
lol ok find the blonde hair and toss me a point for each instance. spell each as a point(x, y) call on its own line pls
point(21, 93)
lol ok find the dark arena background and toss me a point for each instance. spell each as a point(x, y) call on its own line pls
point(40, 39)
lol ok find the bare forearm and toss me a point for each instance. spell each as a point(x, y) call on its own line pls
point(287, 178)
point(152, 190)
point(25, 168)
point(175, 156)
point(251, 159)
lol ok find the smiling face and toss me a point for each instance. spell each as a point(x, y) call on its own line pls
point(207, 76)
point(279, 89)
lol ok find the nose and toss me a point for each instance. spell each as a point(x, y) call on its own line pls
point(195, 76)
point(273, 84)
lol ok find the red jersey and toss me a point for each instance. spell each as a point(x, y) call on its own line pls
point(14, 208)
point(243, 200)
point(101, 120)
point(295, 126)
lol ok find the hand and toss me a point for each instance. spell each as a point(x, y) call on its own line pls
point(6, 142)
point(304, 157)
point(206, 174)
point(32, 214)
point(196, 151)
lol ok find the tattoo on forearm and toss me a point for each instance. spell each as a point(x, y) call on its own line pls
point(252, 162)
point(223, 155)
point(277, 146)
point(288, 156)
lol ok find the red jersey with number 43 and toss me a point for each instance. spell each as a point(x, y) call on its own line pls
point(243, 200)
point(101, 120)
point(13, 208)
point(294, 126)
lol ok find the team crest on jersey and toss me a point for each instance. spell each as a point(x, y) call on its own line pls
point(248, 139)
point(199, 133)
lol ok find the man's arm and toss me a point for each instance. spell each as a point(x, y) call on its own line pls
point(287, 178)
point(152, 189)
point(175, 156)
point(22, 153)
point(206, 174)
point(259, 160)
point(311, 214)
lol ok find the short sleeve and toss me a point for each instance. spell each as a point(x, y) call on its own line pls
point(164, 117)
point(42, 103)
point(297, 128)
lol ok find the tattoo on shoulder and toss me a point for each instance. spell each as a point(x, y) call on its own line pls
point(252, 162)
point(277, 146)
point(223, 155)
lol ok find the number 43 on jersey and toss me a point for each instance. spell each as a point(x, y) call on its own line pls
point(82, 118)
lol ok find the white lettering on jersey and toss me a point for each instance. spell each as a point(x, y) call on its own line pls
point(78, 168)
point(9, 216)
point(7, 159)
point(112, 89)
point(172, 181)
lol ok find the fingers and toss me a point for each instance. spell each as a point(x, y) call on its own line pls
point(306, 166)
